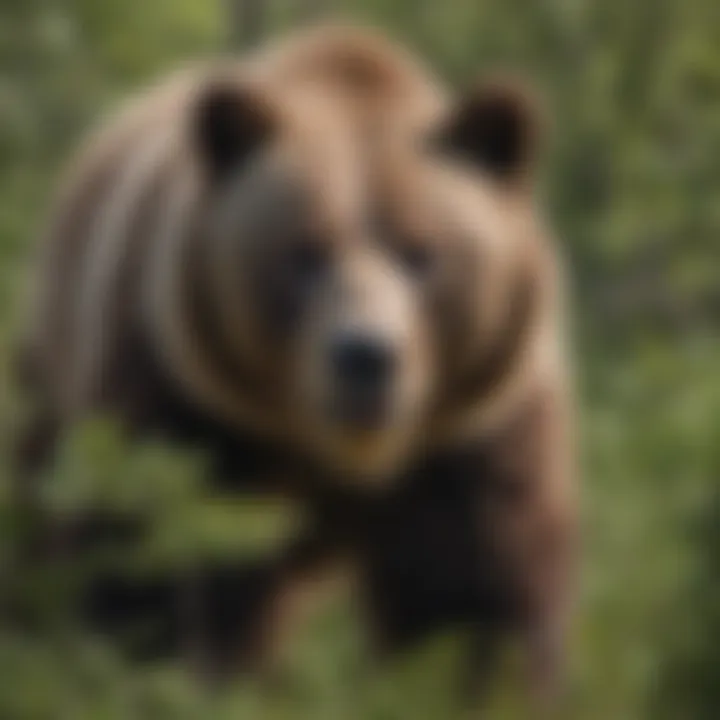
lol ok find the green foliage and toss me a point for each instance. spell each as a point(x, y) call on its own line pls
point(632, 184)
point(98, 469)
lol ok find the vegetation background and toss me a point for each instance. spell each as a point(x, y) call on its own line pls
point(633, 184)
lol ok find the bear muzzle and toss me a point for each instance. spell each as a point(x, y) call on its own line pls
point(363, 369)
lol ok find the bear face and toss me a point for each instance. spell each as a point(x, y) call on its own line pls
point(358, 266)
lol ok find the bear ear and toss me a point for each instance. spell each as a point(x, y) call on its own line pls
point(496, 125)
point(230, 122)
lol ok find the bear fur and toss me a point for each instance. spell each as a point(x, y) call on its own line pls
point(162, 299)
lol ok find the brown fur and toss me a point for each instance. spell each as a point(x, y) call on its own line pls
point(475, 521)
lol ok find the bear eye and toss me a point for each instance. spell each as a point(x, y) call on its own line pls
point(418, 260)
point(308, 259)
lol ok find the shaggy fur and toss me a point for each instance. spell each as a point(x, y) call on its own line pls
point(161, 300)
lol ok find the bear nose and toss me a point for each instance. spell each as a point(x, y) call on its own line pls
point(362, 361)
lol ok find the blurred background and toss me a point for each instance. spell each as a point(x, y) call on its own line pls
point(633, 188)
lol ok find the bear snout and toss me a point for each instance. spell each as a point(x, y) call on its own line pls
point(363, 367)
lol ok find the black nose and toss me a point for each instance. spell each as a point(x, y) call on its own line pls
point(363, 361)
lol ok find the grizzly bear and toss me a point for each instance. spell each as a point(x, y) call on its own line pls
point(323, 268)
